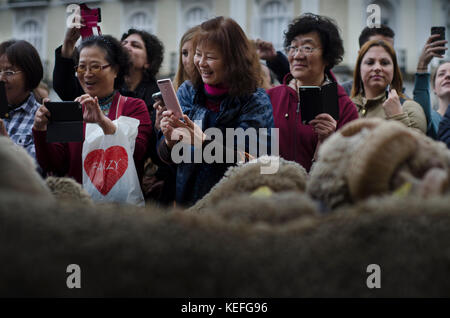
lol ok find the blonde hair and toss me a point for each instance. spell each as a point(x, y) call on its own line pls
point(181, 75)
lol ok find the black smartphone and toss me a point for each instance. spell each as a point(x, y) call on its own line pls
point(441, 31)
point(3, 100)
point(158, 97)
point(65, 111)
point(66, 122)
point(315, 100)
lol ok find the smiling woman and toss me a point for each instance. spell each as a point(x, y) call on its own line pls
point(223, 93)
point(21, 71)
point(377, 87)
point(314, 46)
point(101, 69)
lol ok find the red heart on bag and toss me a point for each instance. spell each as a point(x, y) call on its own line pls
point(105, 168)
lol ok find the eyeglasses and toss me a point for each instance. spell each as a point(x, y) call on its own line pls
point(94, 69)
point(305, 49)
point(9, 73)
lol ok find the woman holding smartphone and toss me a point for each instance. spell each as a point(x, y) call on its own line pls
point(101, 68)
point(314, 47)
point(377, 87)
point(223, 93)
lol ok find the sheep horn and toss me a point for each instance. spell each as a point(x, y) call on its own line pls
point(355, 126)
point(435, 182)
point(374, 163)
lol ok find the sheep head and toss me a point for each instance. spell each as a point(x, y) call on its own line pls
point(374, 157)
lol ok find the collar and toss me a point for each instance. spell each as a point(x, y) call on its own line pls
point(27, 105)
point(361, 101)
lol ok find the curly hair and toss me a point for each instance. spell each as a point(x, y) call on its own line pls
point(154, 48)
point(242, 72)
point(116, 55)
point(24, 56)
point(332, 46)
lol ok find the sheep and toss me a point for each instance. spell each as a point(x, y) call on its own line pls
point(247, 177)
point(18, 171)
point(125, 252)
point(68, 189)
point(373, 157)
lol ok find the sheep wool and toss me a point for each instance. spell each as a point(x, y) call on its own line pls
point(247, 177)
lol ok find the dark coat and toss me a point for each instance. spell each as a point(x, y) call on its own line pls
point(194, 180)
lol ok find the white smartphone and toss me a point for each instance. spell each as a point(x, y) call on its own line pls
point(169, 97)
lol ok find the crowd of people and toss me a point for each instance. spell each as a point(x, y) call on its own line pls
point(221, 83)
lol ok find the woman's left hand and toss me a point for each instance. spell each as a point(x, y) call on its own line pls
point(392, 105)
point(92, 112)
point(190, 132)
point(324, 125)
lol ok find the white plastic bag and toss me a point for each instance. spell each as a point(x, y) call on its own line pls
point(109, 173)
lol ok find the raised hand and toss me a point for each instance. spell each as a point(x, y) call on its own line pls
point(429, 51)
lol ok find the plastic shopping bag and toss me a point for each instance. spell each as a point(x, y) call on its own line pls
point(109, 173)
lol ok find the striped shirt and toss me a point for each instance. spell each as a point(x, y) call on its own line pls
point(19, 123)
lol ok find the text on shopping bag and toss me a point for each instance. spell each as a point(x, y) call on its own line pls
point(106, 167)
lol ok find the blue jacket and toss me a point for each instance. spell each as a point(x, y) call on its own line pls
point(194, 180)
point(444, 128)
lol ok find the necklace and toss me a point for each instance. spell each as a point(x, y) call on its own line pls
point(105, 103)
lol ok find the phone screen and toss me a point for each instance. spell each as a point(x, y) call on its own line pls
point(3, 100)
point(441, 31)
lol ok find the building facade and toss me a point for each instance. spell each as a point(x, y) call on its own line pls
point(43, 22)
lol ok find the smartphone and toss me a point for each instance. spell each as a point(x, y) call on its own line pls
point(158, 97)
point(317, 100)
point(388, 90)
point(441, 31)
point(3, 100)
point(65, 111)
point(91, 18)
point(66, 122)
point(169, 97)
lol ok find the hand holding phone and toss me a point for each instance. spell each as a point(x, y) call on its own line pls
point(441, 31)
point(169, 97)
point(65, 123)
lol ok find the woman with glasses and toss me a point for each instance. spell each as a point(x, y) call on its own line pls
point(314, 47)
point(21, 71)
point(102, 65)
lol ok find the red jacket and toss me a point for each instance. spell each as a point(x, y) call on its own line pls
point(297, 141)
point(64, 159)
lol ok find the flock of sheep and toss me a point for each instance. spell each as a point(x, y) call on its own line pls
point(378, 194)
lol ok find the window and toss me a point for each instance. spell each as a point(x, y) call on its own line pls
point(140, 21)
point(195, 16)
point(274, 20)
point(31, 31)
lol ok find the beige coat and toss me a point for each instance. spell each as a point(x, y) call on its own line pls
point(412, 116)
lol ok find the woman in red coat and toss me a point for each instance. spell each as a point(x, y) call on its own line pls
point(102, 65)
point(314, 47)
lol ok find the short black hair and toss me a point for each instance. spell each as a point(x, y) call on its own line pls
point(367, 32)
point(155, 50)
point(332, 46)
point(116, 55)
point(24, 56)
